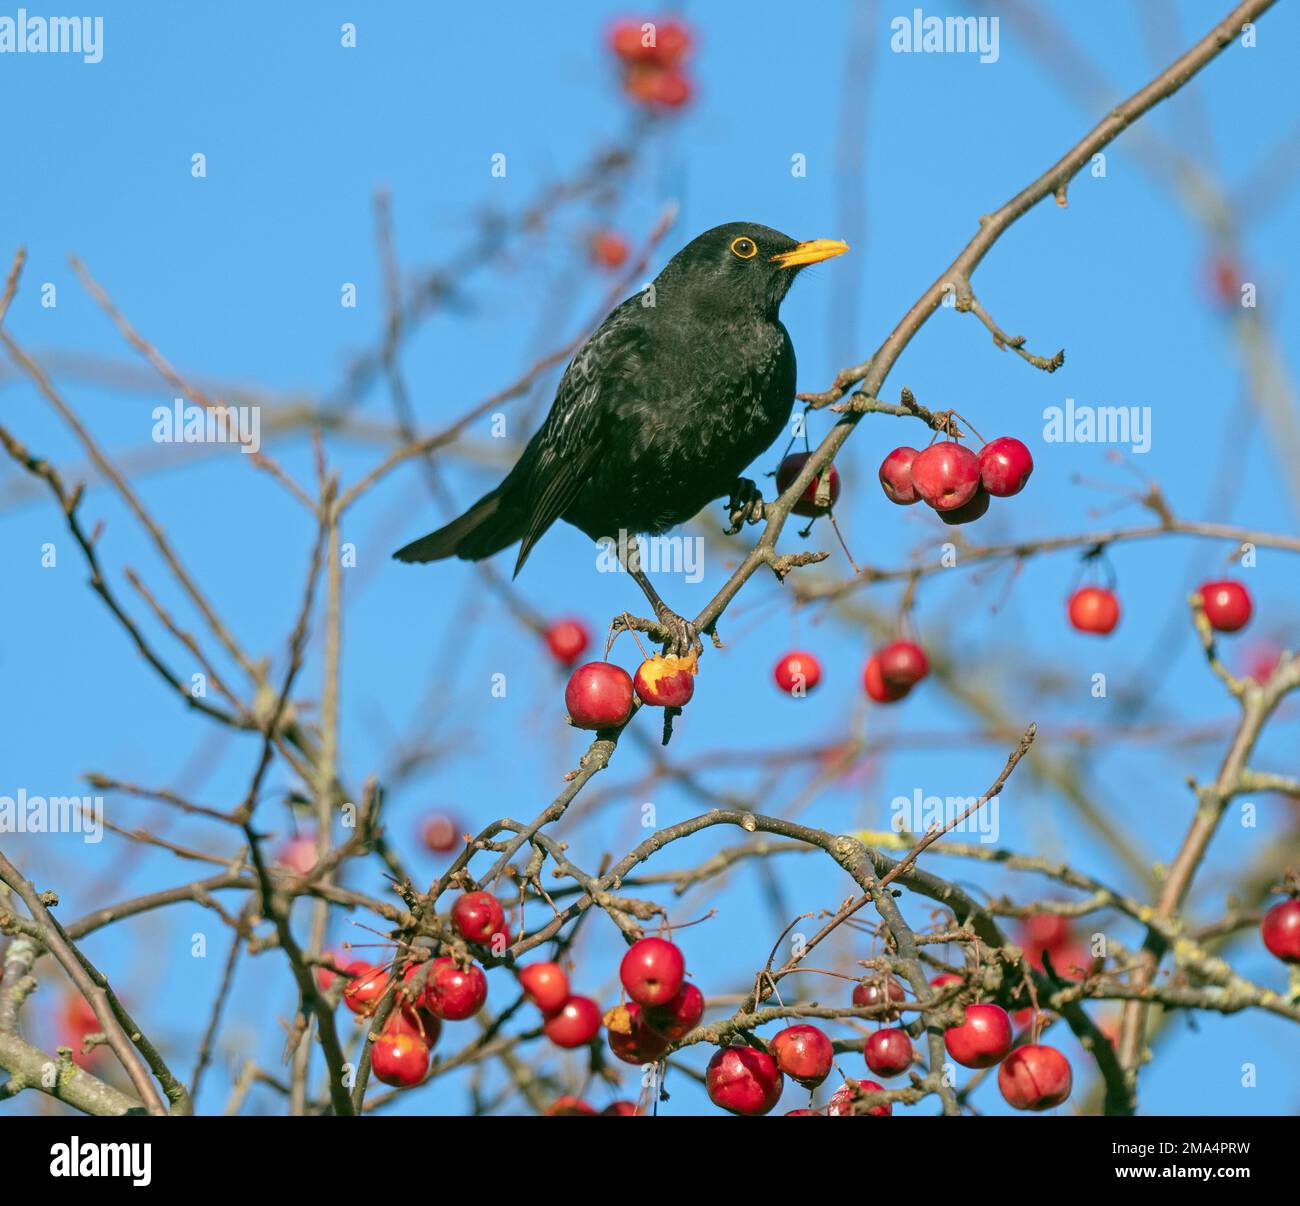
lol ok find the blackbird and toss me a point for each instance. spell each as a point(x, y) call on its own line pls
point(680, 388)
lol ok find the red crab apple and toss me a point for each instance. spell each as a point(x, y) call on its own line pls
point(1263, 660)
point(1035, 1078)
point(77, 1020)
point(888, 1052)
point(546, 985)
point(609, 249)
point(802, 1114)
point(365, 986)
point(944, 979)
point(79, 1015)
point(1005, 466)
point(620, 1109)
point(671, 89)
point(569, 1106)
point(418, 1022)
point(797, 673)
point(982, 1040)
point(873, 682)
point(841, 1102)
point(1094, 609)
point(633, 44)
point(672, 41)
point(1280, 930)
point(1049, 930)
point(874, 992)
point(822, 491)
point(399, 1059)
point(804, 1054)
point(440, 833)
point(630, 1038)
point(743, 1080)
point(946, 474)
point(324, 977)
point(297, 853)
point(971, 510)
point(680, 1016)
point(477, 916)
point(567, 640)
point(1227, 605)
point(903, 664)
point(652, 971)
point(666, 681)
point(453, 992)
point(599, 696)
point(896, 477)
point(656, 86)
point(1223, 275)
point(1072, 961)
point(574, 1024)
point(665, 42)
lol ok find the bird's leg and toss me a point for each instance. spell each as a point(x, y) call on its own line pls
point(682, 637)
point(745, 504)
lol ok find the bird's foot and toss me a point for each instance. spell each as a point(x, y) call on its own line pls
point(678, 636)
point(681, 635)
point(745, 505)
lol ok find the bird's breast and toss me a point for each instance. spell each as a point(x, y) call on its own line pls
point(705, 407)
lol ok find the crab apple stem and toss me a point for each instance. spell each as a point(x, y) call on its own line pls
point(840, 537)
point(958, 415)
point(627, 620)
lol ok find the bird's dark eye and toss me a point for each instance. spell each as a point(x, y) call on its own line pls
point(743, 248)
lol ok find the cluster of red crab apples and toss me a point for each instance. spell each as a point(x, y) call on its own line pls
point(956, 482)
point(947, 476)
point(1031, 1077)
point(442, 989)
point(660, 1007)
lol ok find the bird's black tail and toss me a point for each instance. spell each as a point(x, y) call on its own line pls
point(486, 528)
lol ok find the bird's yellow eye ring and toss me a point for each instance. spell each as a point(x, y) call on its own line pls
point(743, 248)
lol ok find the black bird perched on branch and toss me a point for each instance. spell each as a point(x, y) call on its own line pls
point(683, 385)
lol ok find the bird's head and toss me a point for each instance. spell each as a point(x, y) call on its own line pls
point(745, 264)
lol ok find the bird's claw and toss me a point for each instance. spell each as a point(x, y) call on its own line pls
point(745, 505)
point(682, 636)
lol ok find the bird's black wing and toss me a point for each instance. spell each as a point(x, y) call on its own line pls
point(560, 458)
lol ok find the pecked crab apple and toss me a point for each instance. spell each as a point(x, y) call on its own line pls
point(665, 680)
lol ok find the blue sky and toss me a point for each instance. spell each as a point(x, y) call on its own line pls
point(237, 277)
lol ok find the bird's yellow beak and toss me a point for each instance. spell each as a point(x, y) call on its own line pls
point(812, 252)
